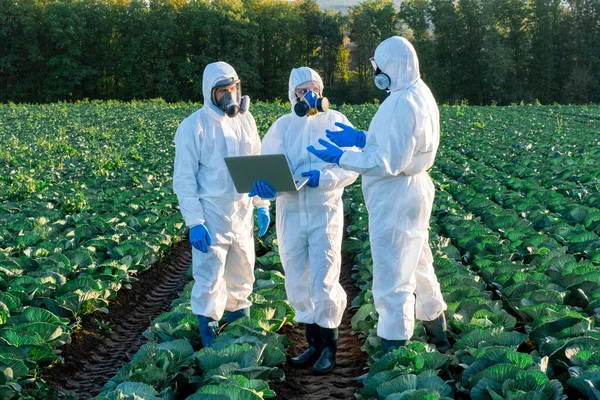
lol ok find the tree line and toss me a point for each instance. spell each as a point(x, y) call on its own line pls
point(481, 51)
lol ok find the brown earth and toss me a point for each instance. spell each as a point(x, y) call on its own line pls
point(303, 383)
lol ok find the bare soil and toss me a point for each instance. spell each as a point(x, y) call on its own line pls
point(303, 383)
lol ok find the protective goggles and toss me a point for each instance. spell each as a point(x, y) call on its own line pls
point(373, 64)
point(301, 90)
point(226, 82)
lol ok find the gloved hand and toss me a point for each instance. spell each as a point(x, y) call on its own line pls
point(200, 238)
point(262, 189)
point(331, 153)
point(313, 180)
point(347, 137)
point(263, 220)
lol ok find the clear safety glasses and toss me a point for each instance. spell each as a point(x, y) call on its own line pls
point(373, 64)
point(304, 88)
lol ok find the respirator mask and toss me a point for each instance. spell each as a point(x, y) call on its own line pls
point(381, 79)
point(232, 102)
point(310, 103)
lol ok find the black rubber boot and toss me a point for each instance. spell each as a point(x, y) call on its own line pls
point(389, 345)
point(436, 331)
point(326, 361)
point(310, 355)
point(208, 330)
point(231, 316)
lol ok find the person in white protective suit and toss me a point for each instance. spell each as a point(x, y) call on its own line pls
point(310, 222)
point(219, 218)
point(399, 147)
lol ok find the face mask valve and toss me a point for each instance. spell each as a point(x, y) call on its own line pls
point(381, 79)
point(231, 103)
point(311, 104)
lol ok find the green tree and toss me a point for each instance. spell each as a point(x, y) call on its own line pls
point(66, 66)
point(543, 29)
point(165, 51)
point(416, 15)
point(98, 18)
point(234, 40)
point(484, 51)
point(333, 56)
point(309, 32)
point(474, 22)
point(582, 20)
point(510, 19)
point(448, 81)
point(277, 24)
point(196, 24)
point(132, 52)
point(371, 22)
point(21, 61)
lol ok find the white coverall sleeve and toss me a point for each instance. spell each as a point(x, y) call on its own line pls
point(390, 149)
point(185, 183)
point(256, 150)
point(334, 177)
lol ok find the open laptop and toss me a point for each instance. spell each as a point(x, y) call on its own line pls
point(272, 168)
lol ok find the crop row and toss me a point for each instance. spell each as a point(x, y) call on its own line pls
point(86, 205)
point(486, 343)
point(238, 365)
point(543, 293)
point(572, 225)
point(550, 150)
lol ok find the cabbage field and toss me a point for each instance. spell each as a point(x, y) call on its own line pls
point(87, 215)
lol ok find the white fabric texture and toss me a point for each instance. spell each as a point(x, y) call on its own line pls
point(402, 142)
point(310, 222)
point(207, 196)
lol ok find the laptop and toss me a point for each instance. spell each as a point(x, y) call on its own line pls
point(272, 168)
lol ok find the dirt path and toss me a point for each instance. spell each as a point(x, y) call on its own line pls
point(302, 383)
point(92, 358)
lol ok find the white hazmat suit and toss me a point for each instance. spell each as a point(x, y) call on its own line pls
point(310, 222)
point(223, 276)
point(402, 142)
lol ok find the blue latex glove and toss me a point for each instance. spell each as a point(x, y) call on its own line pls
point(313, 180)
point(200, 238)
point(262, 189)
point(331, 153)
point(347, 137)
point(263, 220)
